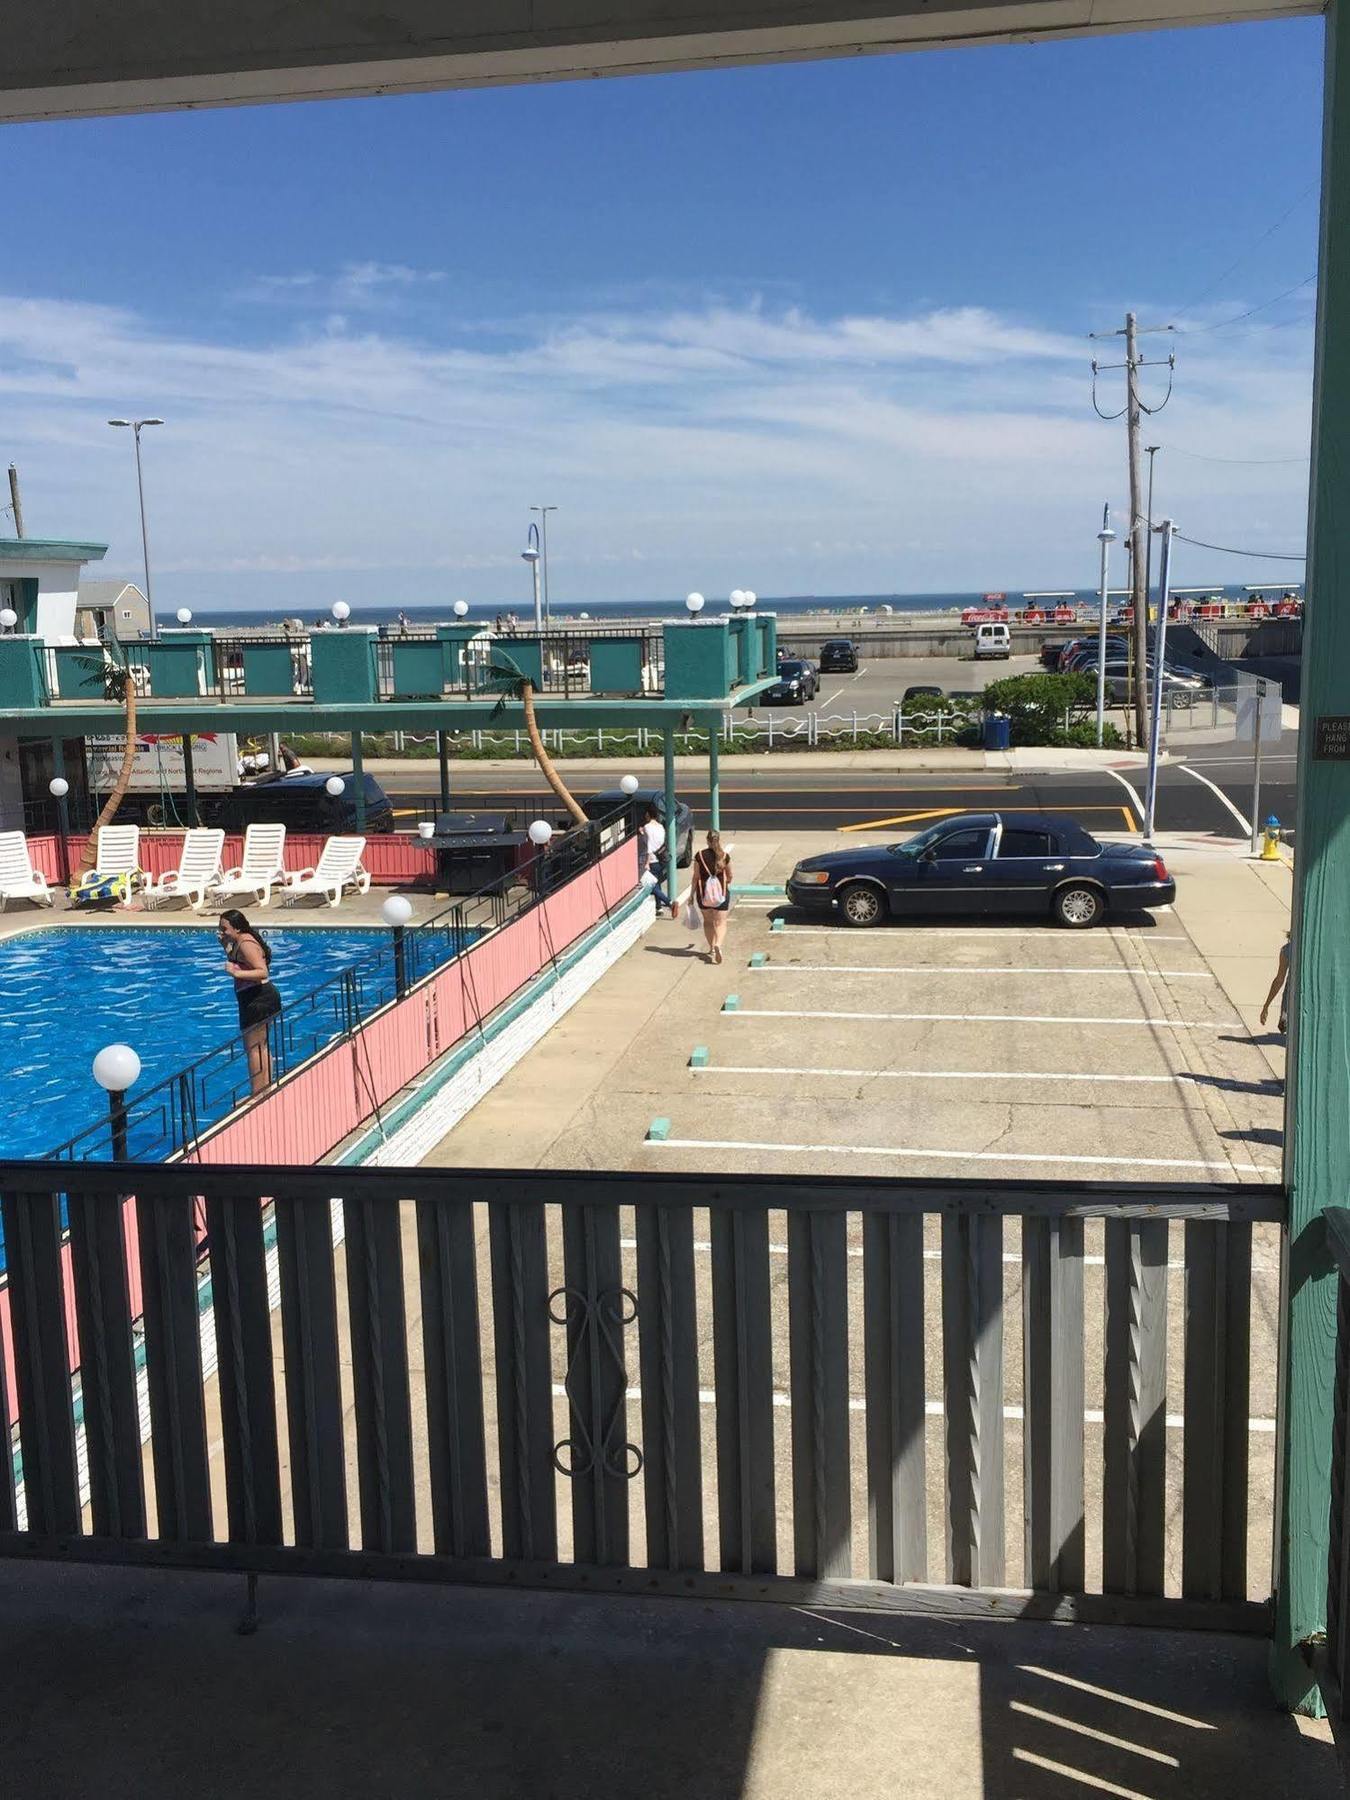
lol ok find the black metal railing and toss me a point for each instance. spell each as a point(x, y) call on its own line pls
point(744, 1365)
point(563, 665)
point(168, 1118)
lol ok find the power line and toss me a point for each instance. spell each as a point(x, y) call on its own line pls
point(1254, 245)
point(1247, 462)
point(1223, 324)
point(1228, 550)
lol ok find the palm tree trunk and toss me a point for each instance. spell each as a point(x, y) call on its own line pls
point(542, 757)
point(123, 782)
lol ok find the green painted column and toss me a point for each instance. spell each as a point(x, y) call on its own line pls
point(672, 837)
point(358, 782)
point(714, 775)
point(1317, 1095)
point(443, 758)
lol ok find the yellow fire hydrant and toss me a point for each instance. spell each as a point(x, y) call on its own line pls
point(1270, 843)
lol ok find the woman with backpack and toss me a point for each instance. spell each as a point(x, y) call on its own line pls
point(712, 893)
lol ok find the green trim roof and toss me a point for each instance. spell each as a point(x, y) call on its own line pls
point(31, 549)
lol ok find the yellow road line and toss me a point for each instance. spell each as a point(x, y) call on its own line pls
point(946, 812)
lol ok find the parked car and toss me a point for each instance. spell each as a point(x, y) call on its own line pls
point(838, 657)
point(992, 640)
point(1050, 653)
point(302, 803)
point(921, 698)
point(1120, 681)
point(599, 806)
point(1030, 863)
point(1071, 653)
point(796, 684)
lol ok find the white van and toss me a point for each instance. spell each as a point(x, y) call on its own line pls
point(992, 640)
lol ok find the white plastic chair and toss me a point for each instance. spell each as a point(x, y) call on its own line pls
point(119, 853)
point(19, 880)
point(262, 868)
point(197, 874)
point(338, 868)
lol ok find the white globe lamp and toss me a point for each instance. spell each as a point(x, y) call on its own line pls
point(335, 786)
point(738, 597)
point(116, 1067)
point(184, 615)
point(695, 603)
point(750, 597)
point(58, 787)
point(8, 618)
point(630, 785)
point(540, 832)
point(397, 910)
point(460, 608)
point(341, 611)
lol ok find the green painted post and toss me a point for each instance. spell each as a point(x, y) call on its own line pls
point(443, 757)
point(1317, 1094)
point(358, 782)
point(714, 777)
point(672, 836)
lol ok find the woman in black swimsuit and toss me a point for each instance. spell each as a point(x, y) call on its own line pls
point(712, 893)
point(248, 960)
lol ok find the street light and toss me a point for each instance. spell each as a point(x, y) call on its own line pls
point(58, 787)
point(1159, 659)
point(460, 608)
point(540, 833)
point(750, 598)
point(396, 912)
point(335, 786)
point(530, 554)
point(629, 785)
point(1150, 451)
point(543, 512)
point(1105, 537)
point(136, 426)
point(184, 615)
point(115, 1069)
point(8, 618)
point(737, 598)
point(695, 604)
point(341, 611)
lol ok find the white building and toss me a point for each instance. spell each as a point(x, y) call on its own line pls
point(40, 579)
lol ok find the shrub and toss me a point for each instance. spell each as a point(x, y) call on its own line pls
point(1036, 704)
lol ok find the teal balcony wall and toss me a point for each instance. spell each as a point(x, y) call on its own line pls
point(698, 660)
point(269, 671)
point(23, 673)
point(79, 671)
point(343, 663)
point(616, 665)
point(419, 669)
point(181, 664)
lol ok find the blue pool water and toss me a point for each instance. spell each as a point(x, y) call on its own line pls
point(164, 990)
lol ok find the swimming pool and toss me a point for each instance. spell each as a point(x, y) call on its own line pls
point(65, 992)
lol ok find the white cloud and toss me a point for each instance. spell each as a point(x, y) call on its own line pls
point(949, 449)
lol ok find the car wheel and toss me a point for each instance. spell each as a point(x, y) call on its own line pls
point(1078, 907)
point(860, 904)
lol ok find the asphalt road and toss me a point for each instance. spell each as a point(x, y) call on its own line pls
point(840, 800)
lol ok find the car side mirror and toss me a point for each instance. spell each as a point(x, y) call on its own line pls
point(929, 856)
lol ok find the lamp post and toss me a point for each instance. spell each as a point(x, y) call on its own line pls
point(530, 554)
point(1105, 537)
point(115, 1068)
point(341, 611)
point(184, 615)
point(694, 604)
point(460, 609)
point(1159, 650)
point(396, 912)
point(58, 787)
point(543, 512)
point(136, 426)
point(1150, 451)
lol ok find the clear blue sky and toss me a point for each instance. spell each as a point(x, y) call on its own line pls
point(817, 327)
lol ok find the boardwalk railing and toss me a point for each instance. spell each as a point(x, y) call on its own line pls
point(911, 1395)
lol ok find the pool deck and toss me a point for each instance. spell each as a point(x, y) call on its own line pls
point(356, 910)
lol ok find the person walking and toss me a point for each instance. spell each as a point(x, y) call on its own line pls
point(248, 959)
point(651, 845)
point(1279, 986)
point(712, 893)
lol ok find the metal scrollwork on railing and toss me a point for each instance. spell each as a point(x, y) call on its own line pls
point(599, 1322)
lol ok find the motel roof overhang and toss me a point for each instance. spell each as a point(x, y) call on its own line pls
point(86, 58)
point(167, 718)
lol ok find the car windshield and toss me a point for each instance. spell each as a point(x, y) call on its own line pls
point(916, 846)
point(790, 668)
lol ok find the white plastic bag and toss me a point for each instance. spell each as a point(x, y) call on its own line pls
point(691, 917)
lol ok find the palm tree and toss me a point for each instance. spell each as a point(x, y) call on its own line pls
point(514, 684)
point(118, 684)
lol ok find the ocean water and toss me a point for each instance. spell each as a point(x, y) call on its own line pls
point(485, 612)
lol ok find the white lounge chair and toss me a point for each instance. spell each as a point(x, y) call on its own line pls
point(119, 853)
point(19, 880)
point(338, 868)
point(261, 869)
point(197, 873)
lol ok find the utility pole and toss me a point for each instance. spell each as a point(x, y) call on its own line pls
point(543, 512)
point(1134, 410)
point(16, 505)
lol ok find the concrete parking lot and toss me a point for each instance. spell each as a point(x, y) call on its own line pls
point(966, 1049)
point(879, 685)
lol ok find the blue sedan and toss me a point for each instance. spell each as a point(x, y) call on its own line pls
point(1027, 863)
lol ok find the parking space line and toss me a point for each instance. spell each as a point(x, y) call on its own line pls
point(935, 1410)
point(968, 969)
point(928, 1074)
point(1121, 933)
point(982, 1156)
point(1134, 817)
point(752, 1012)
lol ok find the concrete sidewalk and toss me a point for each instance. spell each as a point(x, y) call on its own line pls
point(135, 1686)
